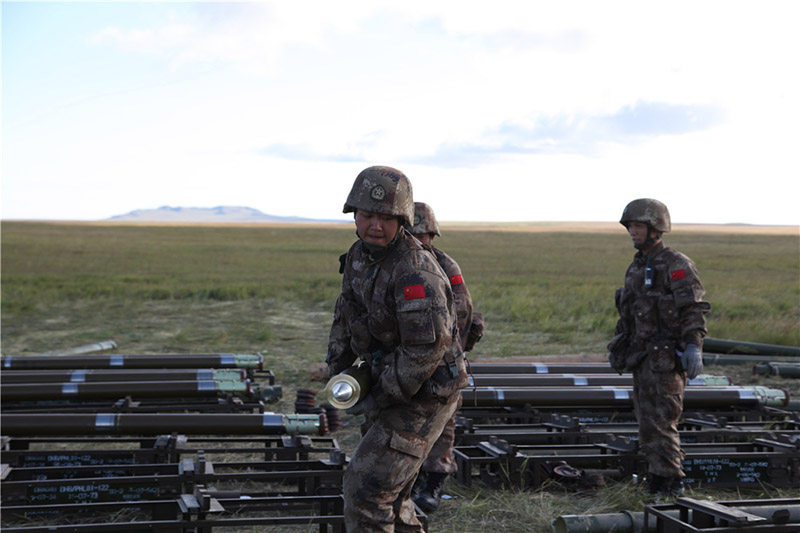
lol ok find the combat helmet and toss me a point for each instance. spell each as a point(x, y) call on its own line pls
point(424, 220)
point(383, 190)
point(652, 212)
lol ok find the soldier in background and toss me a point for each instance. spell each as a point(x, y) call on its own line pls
point(440, 463)
point(396, 312)
point(659, 338)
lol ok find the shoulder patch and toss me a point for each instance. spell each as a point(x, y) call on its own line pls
point(414, 292)
point(456, 280)
point(678, 274)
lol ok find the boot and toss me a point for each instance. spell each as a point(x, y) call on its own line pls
point(428, 497)
point(665, 486)
point(419, 483)
point(657, 484)
point(675, 487)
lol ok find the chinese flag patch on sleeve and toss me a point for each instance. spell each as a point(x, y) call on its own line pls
point(413, 292)
point(456, 280)
point(678, 274)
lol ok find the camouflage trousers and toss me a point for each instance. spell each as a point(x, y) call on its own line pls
point(381, 473)
point(658, 405)
point(440, 459)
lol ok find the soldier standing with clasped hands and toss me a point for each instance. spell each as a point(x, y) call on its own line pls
point(659, 338)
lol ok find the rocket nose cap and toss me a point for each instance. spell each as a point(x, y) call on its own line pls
point(343, 391)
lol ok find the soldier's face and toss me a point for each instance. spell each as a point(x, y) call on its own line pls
point(638, 232)
point(375, 228)
point(424, 238)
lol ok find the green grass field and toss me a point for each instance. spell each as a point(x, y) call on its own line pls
point(271, 289)
point(540, 292)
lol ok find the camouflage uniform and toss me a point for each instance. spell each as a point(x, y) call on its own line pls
point(470, 328)
point(440, 459)
point(653, 323)
point(396, 312)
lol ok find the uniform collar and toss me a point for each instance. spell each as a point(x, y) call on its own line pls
point(642, 258)
point(376, 253)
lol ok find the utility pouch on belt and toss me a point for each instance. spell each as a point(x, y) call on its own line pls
point(448, 378)
point(475, 331)
point(661, 354)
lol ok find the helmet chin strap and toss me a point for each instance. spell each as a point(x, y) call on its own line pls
point(648, 242)
point(376, 251)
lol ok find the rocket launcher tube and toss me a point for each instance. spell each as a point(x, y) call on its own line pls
point(125, 374)
point(694, 397)
point(346, 389)
point(111, 389)
point(728, 346)
point(120, 361)
point(585, 380)
point(301, 424)
point(771, 397)
point(782, 513)
point(524, 367)
point(777, 369)
point(158, 424)
point(709, 380)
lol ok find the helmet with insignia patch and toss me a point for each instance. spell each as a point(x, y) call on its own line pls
point(647, 210)
point(424, 220)
point(383, 190)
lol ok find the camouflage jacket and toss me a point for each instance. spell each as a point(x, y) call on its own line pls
point(671, 308)
point(398, 314)
point(460, 291)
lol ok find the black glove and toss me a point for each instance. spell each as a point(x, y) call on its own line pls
point(377, 357)
point(366, 404)
point(692, 360)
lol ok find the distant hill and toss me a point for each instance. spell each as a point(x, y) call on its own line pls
point(220, 213)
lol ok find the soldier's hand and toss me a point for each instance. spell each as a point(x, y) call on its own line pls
point(366, 404)
point(692, 361)
point(377, 357)
point(611, 364)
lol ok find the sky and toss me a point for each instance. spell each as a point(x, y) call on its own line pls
point(496, 111)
